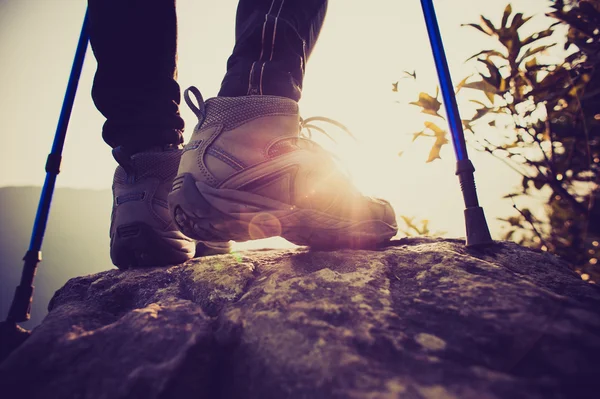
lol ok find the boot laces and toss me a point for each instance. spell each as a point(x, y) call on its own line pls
point(200, 109)
point(307, 126)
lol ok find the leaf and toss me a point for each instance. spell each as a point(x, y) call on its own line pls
point(531, 64)
point(518, 21)
point(435, 129)
point(509, 235)
point(488, 53)
point(512, 44)
point(588, 9)
point(418, 134)
point(488, 26)
point(550, 86)
point(539, 184)
point(425, 226)
point(507, 12)
point(408, 221)
point(533, 51)
point(467, 125)
point(481, 112)
point(575, 20)
point(430, 105)
point(481, 85)
point(410, 75)
point(478, 102)
point(434, 153)
point(440, 141)
point(478, 27)
point(537, 36)
point(509, 146)
point(395, 87)
point(495, 78)
point(514, 221)
point(462, 83)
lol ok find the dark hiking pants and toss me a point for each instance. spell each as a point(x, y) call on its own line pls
point(135, 44)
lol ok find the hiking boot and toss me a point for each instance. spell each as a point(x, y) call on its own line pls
point(248, 173)
point(142, 233)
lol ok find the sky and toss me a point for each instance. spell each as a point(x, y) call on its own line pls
point(361, 52)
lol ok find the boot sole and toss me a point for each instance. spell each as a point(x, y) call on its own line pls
point(212, 248)
point(209, 214)
point(139, 245)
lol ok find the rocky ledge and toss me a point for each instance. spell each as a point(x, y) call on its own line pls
point(422, 318)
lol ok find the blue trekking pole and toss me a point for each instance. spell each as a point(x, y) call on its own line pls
point(11, 335)
point(477, 228)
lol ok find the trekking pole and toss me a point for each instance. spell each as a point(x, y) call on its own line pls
point(11, 335)
point(477, 228)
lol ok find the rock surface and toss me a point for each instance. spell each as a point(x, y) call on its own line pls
point(423, 318)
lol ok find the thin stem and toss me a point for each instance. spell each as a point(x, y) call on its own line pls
point(528, 219)
point(491, 152)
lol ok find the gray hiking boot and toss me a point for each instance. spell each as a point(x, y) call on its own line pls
point(248, 173)
point(142, 233)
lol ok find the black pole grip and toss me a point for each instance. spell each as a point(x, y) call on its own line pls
point(478, 232)
point(20, 309)
point(464, 170)
point(53, 163)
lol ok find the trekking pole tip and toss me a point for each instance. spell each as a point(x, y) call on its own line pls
point(478, 233)
point(11, 337)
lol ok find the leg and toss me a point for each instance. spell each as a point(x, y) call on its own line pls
point(134, 42)
point(274, 39)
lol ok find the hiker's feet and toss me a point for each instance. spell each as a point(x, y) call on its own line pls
point(247, 173)
point(142, 233)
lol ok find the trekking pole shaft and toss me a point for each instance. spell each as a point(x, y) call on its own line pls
point(21, 305)
point(476, 225)
point(445, 79)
